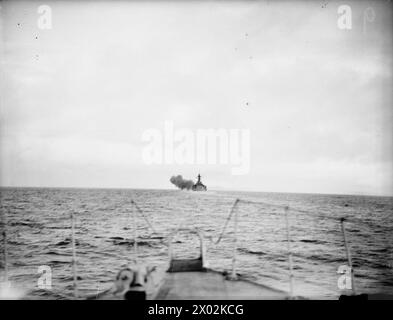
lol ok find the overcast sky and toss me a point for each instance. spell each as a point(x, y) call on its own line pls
point(76, 99)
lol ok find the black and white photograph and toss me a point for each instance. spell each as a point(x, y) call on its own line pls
point(196, 150)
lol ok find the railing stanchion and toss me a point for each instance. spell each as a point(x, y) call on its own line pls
point(135, 218)
point(289, 253)
point(348, 254)
point(234, 276)
point(4, 222)
point(74, 271)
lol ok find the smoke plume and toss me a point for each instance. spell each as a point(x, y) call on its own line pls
point(181, 183)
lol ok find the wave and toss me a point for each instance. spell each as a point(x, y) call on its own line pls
point(249, 251)
point(102, 242)
point(312, 241)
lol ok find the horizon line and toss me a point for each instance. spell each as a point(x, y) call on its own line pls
point(213, 189)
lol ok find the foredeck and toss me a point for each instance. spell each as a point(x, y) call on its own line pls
point(212, 285)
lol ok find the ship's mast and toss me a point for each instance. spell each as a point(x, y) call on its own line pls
point(199, 178)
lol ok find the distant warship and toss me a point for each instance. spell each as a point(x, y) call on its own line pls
point(199, 186)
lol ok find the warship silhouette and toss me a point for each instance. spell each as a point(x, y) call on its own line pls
point(199, 186)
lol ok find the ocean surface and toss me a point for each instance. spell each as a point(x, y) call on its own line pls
point(38, 222)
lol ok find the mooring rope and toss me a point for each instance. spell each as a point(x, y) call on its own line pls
point(234, 212)
point(321, 217)
point(144, 217)
point(231, 212)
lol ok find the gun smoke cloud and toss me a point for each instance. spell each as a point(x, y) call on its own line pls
point(181, 183)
